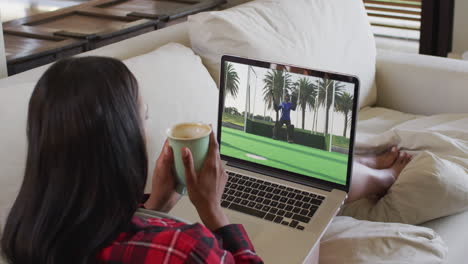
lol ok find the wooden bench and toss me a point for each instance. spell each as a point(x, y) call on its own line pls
point(41, 39)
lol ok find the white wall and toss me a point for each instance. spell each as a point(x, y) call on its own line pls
point(3, 67)
point(460, 27)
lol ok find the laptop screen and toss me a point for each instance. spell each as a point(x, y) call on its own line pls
point(289, 118)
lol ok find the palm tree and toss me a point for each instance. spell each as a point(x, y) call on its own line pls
point(276, 83)
point(325, 98)
point(231, 81)
point(344, 104)
point(305, 92)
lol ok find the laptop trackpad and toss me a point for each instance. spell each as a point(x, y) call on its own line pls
point(251, 224)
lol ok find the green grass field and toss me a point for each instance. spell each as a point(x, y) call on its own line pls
point(329, 166)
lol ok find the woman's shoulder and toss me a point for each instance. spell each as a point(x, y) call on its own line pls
point(153, 238)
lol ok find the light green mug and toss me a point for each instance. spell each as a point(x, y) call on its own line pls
point(194, 136)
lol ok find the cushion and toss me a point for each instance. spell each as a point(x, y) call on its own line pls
point(177, 88)
point(352, 241)
point(330, 35)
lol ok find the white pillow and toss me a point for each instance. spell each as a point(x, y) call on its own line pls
point(14, 101)
point(330, 35)
point(177, 88)
point(429, 187)
point(352, 241)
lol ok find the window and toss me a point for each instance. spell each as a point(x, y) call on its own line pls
point(399, 19)
point(426, 25)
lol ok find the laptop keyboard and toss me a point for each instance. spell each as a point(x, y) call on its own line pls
point(270, 201)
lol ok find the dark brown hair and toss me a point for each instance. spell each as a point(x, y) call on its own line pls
point(86, 166)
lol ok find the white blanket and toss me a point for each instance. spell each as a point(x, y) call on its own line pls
point(445, 135)
point(354, 241)
point(434, 184)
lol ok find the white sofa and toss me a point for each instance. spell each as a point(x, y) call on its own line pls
point(3, 67)
point(406, 83)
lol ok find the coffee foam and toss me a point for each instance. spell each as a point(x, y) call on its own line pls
point(189, 131)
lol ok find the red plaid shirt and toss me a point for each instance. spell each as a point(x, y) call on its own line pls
point(160, 240)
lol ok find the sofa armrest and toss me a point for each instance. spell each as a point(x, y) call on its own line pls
point(420, 84)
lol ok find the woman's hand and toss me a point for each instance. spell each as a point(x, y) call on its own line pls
point(206, 187)
point(163, 196)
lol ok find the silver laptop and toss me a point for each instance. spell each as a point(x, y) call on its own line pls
point(286, 134)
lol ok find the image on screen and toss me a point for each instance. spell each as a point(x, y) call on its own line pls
point(287, 119)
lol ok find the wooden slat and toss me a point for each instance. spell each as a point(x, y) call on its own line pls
point(404, 10)
point(395, 17)
point(391, 4)
point(40, 17)
point(411, 2)
point(22, 46)
point(191, 2)
point(26, 31)
point(190, 10)
point(393, 10)
point(394, 26)
point(107, 13)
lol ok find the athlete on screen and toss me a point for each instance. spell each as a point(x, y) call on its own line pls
point(285, 119)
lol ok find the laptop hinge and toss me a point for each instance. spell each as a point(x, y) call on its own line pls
point(280, 176)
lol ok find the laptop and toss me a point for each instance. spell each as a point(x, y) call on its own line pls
point(286, 135)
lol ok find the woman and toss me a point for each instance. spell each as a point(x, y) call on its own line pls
point(86, 171)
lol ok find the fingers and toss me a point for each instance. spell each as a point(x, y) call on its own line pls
point(168, 156)
point(224, 176)
point(213, 151)
point(213, 142)
point(190, 175)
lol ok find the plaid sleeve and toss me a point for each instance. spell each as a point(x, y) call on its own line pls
point(229, 245)
point(159, 240)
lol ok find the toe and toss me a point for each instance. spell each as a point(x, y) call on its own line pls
point(401, 158)
point(391, 156)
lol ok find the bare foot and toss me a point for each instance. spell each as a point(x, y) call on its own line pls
point(369, 182)
point(400, 163)
point(382, 161)
point(387, 177)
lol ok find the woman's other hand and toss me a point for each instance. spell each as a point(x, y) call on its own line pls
point(163, 196)
point(206, 187)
